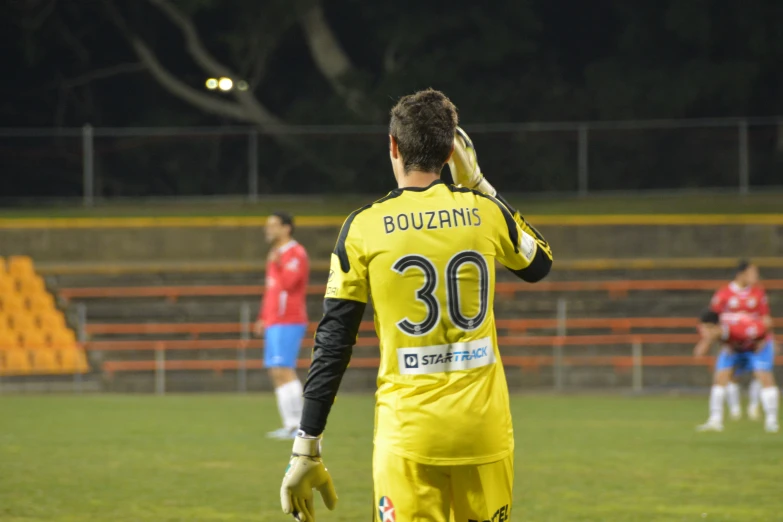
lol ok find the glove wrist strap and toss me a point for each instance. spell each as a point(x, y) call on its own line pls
point(307, 446)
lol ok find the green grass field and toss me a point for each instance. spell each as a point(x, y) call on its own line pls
point(204, 458)
point(567, 204)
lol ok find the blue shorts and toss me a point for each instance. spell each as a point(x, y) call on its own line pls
point(281, 345)
point(759, 361)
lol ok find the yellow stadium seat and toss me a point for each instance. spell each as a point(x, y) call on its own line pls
point(16, 362)
point(21, 321)
point(62, 339)
point(8, 340)
point(2, 266)
point(34, 339)
point(12, 304)
point(50, 320)
point(20, 266)
point(40, 302)
point(73, 360)
point(30, 284)
point(7, 284)
point(44, 361)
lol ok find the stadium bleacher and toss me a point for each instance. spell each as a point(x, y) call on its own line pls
point(34, 336)
point(145, 320)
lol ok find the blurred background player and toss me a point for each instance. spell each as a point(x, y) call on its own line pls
point(443, 444)
point(282, 319)
point(743, 295)
point(746, 344)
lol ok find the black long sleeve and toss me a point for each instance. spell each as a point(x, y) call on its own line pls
point(541, 264)
point(334, 340)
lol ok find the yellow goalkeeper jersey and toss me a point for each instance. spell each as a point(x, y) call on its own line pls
point(427, 256)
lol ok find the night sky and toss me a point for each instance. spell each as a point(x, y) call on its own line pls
point(524, 60)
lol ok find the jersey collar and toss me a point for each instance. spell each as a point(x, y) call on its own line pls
point(285, 248)
point(418, 189)
point(737, 288)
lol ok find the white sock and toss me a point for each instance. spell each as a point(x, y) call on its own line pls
point(769, 399)
point(733, 396)
point(717, 394)
point(282, 403)
point(754, 393)
point(290, 403)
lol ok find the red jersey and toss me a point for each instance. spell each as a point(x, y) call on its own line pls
point(286, 287)
point(743, 332)
point(731, 299)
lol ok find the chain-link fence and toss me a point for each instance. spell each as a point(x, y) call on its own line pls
point(104, 163)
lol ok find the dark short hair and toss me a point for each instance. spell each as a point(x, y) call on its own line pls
point(285, 218)
point(709, 316)
point(743, 265)
point(423, 124)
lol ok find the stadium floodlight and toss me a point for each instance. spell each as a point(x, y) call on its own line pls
point(225, 84)
point(212, 84)
point(242, 85)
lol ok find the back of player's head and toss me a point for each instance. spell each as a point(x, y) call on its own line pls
point(285, 219)
point(423, 125)
point(709, 316)
point(742, 265)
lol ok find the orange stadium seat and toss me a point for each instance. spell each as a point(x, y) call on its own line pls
point(73, 360)
point(20, 266)
point(2, 266)
point(16, 362)
point(44, 361)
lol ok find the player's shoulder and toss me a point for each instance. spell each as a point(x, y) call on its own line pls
point(725, 290)
point(299, 250)
point(356, 220)
point(365, 213)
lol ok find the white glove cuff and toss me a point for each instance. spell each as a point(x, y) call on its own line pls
point(307, 446)
point(486, 188)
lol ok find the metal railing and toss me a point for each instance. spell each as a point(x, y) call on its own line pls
point(94, 163)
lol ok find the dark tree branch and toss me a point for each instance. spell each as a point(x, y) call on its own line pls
point(193, 43)
point(332, 60)
point(210, 65)
point(101, 74)
point(246, 108)
point(168, 81)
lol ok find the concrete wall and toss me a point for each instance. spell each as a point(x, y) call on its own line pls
point(246, 243)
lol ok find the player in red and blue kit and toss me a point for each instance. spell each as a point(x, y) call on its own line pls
point(743, 295)
point(283, 318)
point(746, 346)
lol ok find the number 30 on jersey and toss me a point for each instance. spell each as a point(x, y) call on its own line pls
point(425, 294)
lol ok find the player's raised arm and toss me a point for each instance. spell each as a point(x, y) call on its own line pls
point(523, 249)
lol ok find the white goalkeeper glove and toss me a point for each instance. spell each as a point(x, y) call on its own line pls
point(306, 472)
point(465, 170)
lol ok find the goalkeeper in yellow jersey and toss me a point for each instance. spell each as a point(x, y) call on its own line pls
point(443, 446)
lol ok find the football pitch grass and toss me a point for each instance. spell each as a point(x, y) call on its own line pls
point(204, 458)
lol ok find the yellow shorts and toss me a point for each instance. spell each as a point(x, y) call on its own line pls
point(407, 491)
